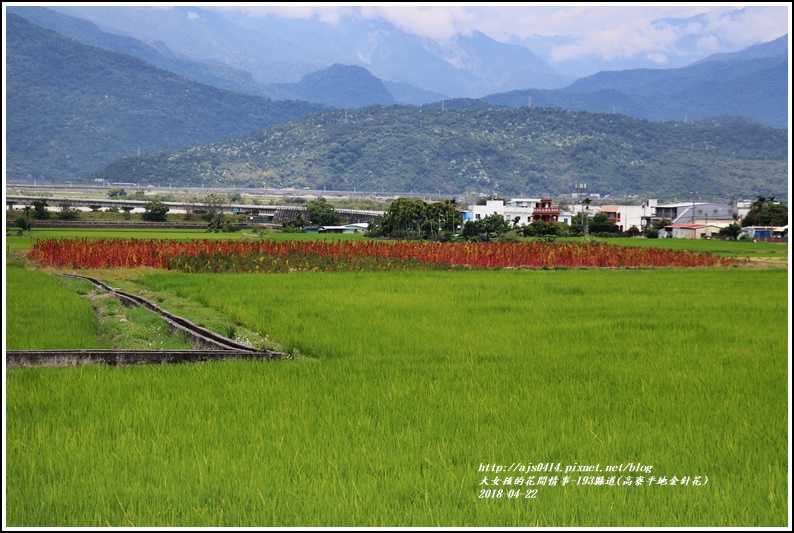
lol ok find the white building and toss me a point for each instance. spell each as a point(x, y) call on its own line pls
point(524, 209)
point(628, 216)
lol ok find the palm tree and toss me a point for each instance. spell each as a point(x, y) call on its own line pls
point(586, 202)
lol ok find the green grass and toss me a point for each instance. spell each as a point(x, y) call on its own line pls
point(135, 328)
point(413, 380)
point(767, 250)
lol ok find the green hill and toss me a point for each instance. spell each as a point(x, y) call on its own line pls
point(339, 86)
point(73, 108)
point(507, 151)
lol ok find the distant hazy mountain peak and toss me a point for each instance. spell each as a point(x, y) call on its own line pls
point(450, 50)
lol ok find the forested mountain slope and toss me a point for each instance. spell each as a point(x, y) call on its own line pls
point(508, 151)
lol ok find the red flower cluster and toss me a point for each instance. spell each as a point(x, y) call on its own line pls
point(132, 253)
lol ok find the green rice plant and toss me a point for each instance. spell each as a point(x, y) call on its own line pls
point(50, 313)
point(715, 247)
point(415, 384)
point(43, 314)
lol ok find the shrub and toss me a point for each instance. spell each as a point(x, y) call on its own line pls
point(155, 211)
point(23, 223)
point(67, 212)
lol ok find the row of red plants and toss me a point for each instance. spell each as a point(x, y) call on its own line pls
point(170, 254)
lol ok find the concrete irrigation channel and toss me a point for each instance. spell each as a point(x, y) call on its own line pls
point(213, 346)
point(62, 358)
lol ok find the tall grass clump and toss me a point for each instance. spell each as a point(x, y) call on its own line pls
point(412, 384)
point(42, 314)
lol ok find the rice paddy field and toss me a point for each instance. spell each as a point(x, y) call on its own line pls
point(428, 398)
point(45, 315)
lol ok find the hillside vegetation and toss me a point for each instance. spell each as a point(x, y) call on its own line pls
point(507, 151)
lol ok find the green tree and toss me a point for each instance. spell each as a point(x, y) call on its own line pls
point(40, 210)
point(322, 213)
point(452, 217)
point(600, 224)
point(652, 231)
point(403, 218)
point(221, 222)
point(633, 231)
point(155, 211)
point(486, 228)
point(766, 212)
point(731, 232)
point(117, 193)
point(296, 225)
point(440, 220)
point(212, 206)
point(190, 207)
point(539, 228)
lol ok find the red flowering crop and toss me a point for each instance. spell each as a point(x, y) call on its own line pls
point(246, 255)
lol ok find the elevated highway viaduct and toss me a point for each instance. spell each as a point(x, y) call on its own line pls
point(274, 214)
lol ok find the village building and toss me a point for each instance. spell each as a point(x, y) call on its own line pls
point(704, 213)
point(626, 217)
point(766, 232)
point(692, 231)
point(520, 210)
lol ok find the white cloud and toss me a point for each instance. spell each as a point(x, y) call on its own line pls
point(659, 59)
point(619, 41)
point(432, 22)
point(709, 42)
point(326, 13)
point(192, 15)
point(618, 32)
point(605, 31)
point(750, 25)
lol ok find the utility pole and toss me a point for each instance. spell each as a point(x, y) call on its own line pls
point(692, 218)
point(586, 216)
point(580, 188)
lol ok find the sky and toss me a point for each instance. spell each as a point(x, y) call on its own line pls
point(605, 32)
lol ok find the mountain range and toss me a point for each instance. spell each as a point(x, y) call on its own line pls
point(752, 83)
point(80, 97)
point(285, 59)
point(282, 50)
point(72, 108)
